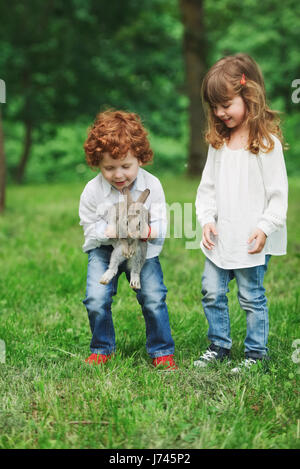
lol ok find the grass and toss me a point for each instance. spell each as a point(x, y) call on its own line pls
point(50, 398)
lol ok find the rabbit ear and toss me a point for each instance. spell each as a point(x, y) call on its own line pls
point(126, 192)
point(144, 196)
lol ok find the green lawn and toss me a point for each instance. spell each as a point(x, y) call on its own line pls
point(51, 399)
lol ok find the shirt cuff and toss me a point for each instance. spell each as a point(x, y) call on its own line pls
point(265, 227)
point(204, 221)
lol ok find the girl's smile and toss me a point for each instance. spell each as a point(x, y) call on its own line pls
point(232, 113)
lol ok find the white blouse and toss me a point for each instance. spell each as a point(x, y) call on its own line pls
point(240, 191)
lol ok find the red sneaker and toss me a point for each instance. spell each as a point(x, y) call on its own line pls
point(97, 359)
point(166, 362)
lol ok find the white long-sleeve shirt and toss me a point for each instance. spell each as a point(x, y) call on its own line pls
point(98, 195)
point(240, 191)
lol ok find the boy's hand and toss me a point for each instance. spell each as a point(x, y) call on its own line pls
point(145, 233)
point(206, 240)
point(110, 231)
point(260, 238)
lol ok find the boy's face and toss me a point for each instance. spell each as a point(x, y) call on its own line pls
point(120, 173)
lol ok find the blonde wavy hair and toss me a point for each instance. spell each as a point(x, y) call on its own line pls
point(221, 83)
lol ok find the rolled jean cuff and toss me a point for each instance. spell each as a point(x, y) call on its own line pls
point(221, 344)
point(162, 354)
point(100, 351)
point(256, 355)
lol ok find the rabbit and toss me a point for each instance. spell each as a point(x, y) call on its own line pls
point(129, 219)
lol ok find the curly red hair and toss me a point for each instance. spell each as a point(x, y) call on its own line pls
point(117, 132)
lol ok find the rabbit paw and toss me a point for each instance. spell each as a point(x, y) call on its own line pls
point(107, 277)
point(128, 252)
point(135, 281)
point(131, 250)
point(125, 252)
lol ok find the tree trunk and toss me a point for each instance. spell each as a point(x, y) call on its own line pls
point(195, 64)
point(26, 152)
point(2, 168)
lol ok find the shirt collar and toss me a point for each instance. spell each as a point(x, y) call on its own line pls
point(139, 184)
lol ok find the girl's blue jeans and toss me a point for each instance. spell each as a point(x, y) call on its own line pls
point(151, 297)
point(251, 296)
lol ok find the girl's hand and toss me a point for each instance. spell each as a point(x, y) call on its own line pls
point(260, 238)
point(110, 231)
point(207, 229)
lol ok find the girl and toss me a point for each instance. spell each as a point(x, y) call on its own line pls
point(241, 203)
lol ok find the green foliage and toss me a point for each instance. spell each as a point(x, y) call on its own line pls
point(60, 156)
point(71, 59)
point(51, 399)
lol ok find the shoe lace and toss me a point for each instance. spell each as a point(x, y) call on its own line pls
point(208, 355)
point(248, 362)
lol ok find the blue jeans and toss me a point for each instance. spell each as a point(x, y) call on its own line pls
point(151, 297)
point(251, 296)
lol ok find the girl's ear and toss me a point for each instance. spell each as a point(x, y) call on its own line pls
point(140, 162)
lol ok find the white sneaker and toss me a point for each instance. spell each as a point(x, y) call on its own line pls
point(212, 354)
point(244, 365)
point(207, 357)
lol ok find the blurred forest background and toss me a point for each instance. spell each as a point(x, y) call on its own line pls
point(64, 61)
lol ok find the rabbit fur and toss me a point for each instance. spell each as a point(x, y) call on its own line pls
point(129, 218)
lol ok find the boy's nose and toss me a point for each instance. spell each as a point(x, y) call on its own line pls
point(118, 174)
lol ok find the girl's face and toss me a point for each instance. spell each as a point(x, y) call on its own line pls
point(120, 173)
point(232, 112)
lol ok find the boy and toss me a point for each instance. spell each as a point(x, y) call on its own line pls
point(117, 144)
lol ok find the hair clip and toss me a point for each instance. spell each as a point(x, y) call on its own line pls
point(243, 80)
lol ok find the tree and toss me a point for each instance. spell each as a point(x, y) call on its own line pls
point(67, 60)
point(194, 47)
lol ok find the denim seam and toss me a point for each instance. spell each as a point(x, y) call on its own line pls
point(262, 310)
point(261, 273)
point(263, 313)
point(225, 311)
point(108, 321)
